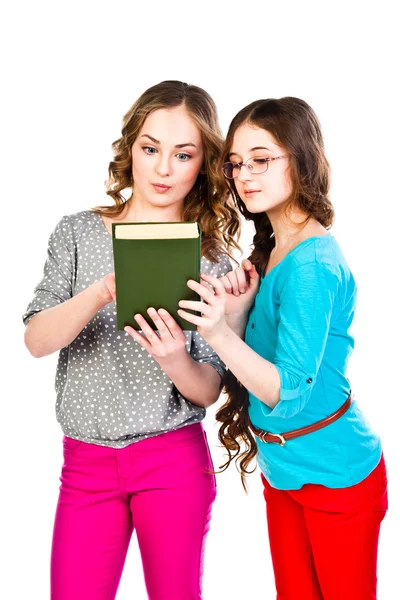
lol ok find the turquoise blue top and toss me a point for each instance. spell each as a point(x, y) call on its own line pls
point(300, 322)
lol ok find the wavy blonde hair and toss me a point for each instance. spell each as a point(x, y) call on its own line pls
point(208, 202)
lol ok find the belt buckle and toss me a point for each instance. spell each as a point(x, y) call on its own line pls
point(278, 435)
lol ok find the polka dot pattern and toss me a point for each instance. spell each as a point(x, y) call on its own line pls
point(110, 391)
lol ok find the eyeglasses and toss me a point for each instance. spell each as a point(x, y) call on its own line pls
point(256, 165)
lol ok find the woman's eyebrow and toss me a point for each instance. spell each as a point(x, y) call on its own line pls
point(150, 138)
point(251, 150)
point(260, 148)
point(183, 145)
point(176, 145)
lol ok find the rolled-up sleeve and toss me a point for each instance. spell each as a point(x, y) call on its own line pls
point(307, 300)
point(201, 352)
point(55, 286)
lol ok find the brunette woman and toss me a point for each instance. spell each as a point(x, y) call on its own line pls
point(281, 323)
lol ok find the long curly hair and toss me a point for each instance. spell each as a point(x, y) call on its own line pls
point(208, 202)
point(296, 128)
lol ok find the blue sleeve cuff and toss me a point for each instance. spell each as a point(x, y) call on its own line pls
point(292, 401)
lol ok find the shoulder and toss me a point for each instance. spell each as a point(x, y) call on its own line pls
point(319, 261)
point(82, 220)
point(319, 253)
point(72, 227)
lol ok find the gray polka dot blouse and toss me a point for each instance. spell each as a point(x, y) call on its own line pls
point(110, 391)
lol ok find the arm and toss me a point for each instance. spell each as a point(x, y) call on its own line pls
point(306, 305)
point(199, 383)
point(197, 374)
point(258, 375)
point(54, 328)
point(237, 323)
point(54, 316)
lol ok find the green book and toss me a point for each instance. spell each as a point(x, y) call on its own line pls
point(153, 262)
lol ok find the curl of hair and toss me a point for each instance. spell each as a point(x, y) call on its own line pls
point(208, 202)
point(296, 128)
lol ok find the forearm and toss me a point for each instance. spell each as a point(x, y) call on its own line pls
point(56, 327)
point(198, 382)
point(237, 323)
point(257, 374)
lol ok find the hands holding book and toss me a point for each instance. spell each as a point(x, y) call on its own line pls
point(165, 344)
point(155, 264)
point(232, 296)
point(107, 288)
point(224, 300)
point(229, 303)
point(169, 341)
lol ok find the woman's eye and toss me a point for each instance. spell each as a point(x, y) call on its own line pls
point(149, 150)
point(260, 161)
point(184, 157)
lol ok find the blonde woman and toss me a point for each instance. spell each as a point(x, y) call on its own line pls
point(131, 403)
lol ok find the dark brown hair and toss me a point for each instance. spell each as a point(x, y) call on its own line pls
point(296, 128)
point(208, 202)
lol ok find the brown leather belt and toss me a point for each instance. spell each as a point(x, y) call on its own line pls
point(282, 438)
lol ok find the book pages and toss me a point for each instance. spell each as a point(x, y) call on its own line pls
point(156, 231)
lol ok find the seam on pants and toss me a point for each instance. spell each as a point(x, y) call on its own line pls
point(112, 581)
point(362, 554)
point(320, 596)
point(313, 566)
point(365, 588)
point(203, 540)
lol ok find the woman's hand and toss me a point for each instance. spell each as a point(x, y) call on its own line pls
point(169, 346)
point(106, 288)
point(241, 287)
point(212, 322)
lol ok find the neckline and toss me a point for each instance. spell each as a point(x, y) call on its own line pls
point(313, 237)
point(103, 225)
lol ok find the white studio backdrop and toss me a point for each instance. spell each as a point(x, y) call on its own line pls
point(70, 72)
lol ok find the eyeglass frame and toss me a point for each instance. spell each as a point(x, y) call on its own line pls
point(243, 164)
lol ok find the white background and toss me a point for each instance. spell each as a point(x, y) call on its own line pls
point(70, 72)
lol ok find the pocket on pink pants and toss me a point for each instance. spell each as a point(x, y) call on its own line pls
point(70, 445)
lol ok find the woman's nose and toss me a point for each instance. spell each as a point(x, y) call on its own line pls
point(163, 167)
point(244, 174)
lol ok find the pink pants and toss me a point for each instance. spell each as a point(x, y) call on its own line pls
point(159, 486)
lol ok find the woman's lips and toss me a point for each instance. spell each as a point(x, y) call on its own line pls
point(160, 188)
point(250, 193)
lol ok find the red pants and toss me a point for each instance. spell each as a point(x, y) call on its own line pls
point(324, 541)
